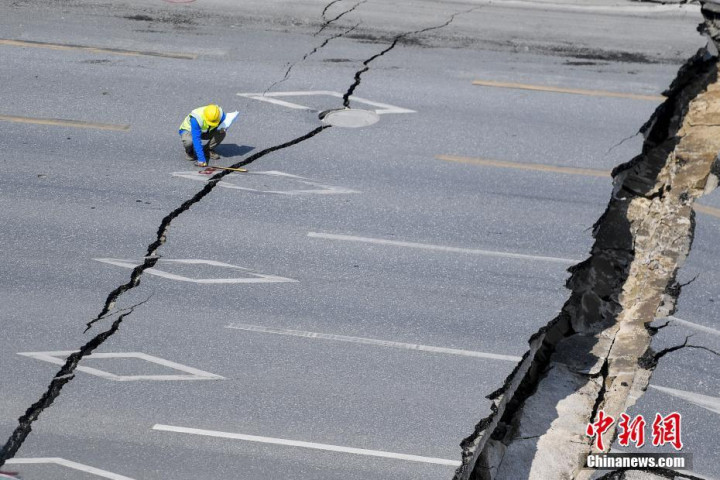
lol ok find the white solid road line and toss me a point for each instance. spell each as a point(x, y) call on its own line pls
point(705, 401)
point(694, 326)
point(611, 9)
point(372, 341)
point(441, 248)
point(67, 463)
point(315, 446)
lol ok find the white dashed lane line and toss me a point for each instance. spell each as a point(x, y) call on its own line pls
point(440, 248)
point(372, 341)
point(311, 445)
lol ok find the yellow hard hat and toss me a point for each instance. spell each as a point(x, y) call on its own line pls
point(212, 115)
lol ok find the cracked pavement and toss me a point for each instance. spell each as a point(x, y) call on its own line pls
point(152, 256)
point(84, 194)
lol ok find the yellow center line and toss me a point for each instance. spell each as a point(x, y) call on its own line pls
point(525, 166)
point(715, 212)
point(588, 172)
point(64, 123)
point(112, 51)
point(573, 91)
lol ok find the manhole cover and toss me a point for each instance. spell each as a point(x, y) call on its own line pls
point(349, 117)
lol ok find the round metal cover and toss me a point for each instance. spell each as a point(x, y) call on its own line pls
point(349, 117)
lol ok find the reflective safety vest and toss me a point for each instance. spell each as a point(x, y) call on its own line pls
point(197, 114)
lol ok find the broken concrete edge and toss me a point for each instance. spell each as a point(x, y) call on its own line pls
point(638, 179)
point(475, 443)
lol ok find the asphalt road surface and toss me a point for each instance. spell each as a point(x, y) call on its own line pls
point(341, 310)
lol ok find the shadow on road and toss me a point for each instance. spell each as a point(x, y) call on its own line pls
point(233, 150)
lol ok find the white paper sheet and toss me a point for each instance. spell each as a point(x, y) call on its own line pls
point(229, 119)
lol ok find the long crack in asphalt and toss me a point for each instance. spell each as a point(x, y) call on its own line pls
point(151, 257)
point(62, 378)
point(596, 353)
point(66, 372)
point(327, 7)
point(326, 24)
point(393, 44)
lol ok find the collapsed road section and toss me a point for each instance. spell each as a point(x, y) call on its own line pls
point(594, 355)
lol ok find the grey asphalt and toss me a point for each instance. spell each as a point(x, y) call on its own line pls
point(71, 195)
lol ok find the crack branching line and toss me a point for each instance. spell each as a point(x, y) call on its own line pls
point(336, 18)
point(62, 378)
point(393, 44)
point(653, 360)
point(325, 42)
point(654, 330)
point(309, 54)
point(689, 281)
point(327, 7)
point(151, 257)
point(623, 141)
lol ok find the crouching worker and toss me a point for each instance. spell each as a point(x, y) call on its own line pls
point(202, 124)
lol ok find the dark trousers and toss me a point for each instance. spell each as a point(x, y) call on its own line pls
point(214, 137)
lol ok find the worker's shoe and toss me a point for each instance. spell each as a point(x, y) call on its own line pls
point(212, 155)
point(201, 164)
